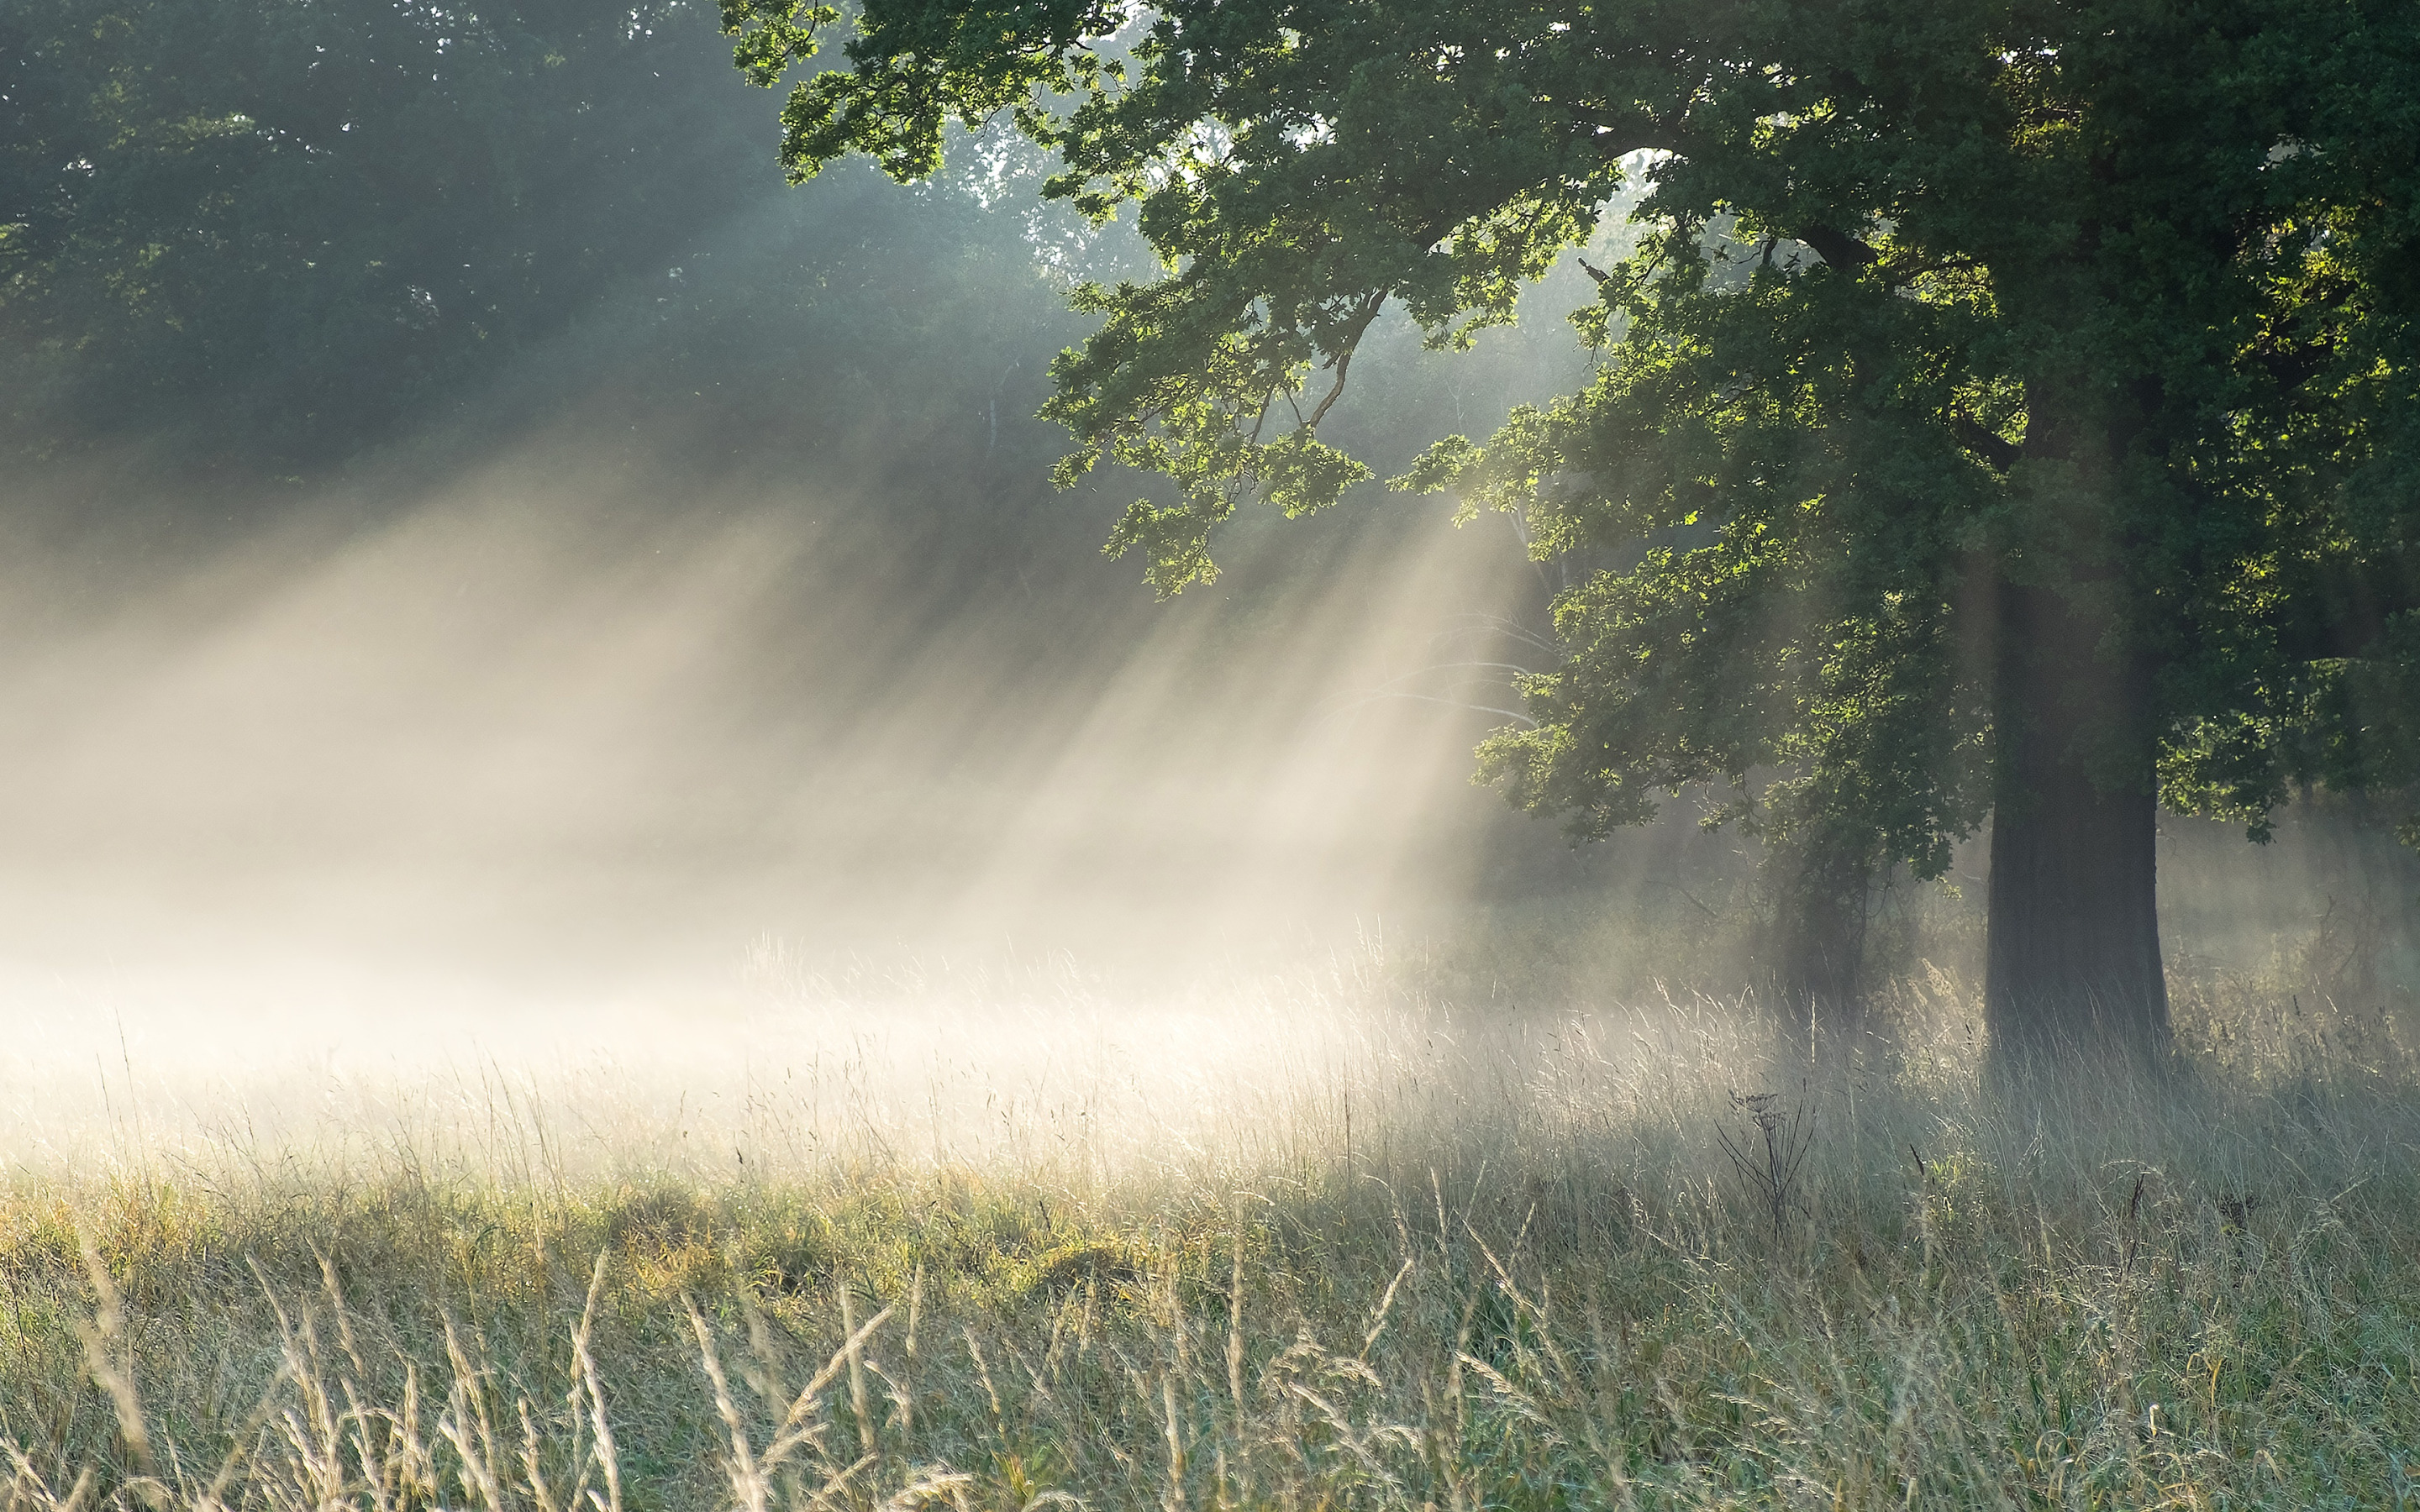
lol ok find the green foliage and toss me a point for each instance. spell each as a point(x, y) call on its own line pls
point(1931, 304)
point(276, 230)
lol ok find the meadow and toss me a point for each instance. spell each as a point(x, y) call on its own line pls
point(1317, 1240)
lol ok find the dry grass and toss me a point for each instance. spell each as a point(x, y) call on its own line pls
point(1411, 1261)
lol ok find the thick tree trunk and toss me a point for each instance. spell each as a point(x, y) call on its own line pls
point(2073, 966)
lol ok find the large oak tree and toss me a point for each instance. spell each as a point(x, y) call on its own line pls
point(2010, 411)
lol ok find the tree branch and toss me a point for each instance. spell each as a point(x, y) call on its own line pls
point(1985, 442)
point(1838, 248)
point(1342, 361)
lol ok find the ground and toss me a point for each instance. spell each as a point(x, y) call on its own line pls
point(1423, 1259)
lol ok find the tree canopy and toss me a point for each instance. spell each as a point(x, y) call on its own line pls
point(279, 229)
point(2009, 412)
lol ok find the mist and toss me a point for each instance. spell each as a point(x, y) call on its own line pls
point(692, 633)
point(641, 688)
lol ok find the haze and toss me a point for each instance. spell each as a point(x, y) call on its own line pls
point(714, 684)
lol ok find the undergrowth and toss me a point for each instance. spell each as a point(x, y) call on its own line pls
point(1569, 1262)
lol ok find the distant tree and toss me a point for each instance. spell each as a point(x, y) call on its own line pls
point(277, 229)
point(2008, 412)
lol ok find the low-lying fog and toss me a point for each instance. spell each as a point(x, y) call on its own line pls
point(542, 773)
point(716, 689)
point(626, 824)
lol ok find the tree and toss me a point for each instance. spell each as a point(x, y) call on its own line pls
point(280, 229)
point(2008, 412)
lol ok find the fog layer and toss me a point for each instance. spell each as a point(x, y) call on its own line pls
point(688, 629)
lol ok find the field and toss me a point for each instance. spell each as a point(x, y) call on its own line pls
point(1308, 1242)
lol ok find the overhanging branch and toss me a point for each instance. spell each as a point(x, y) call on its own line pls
point(1985, 442)
point(1342, 361)
point(1838, 248)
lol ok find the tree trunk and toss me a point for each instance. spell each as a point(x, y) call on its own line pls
point(2072, 965)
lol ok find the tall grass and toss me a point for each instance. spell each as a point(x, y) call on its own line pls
point(1303, 1246)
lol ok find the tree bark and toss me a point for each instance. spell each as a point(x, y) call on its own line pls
point(2072, 965)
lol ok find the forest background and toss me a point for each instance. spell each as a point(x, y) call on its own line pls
point(286, 274)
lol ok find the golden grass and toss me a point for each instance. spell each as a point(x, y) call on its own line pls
point(1420, 1261)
